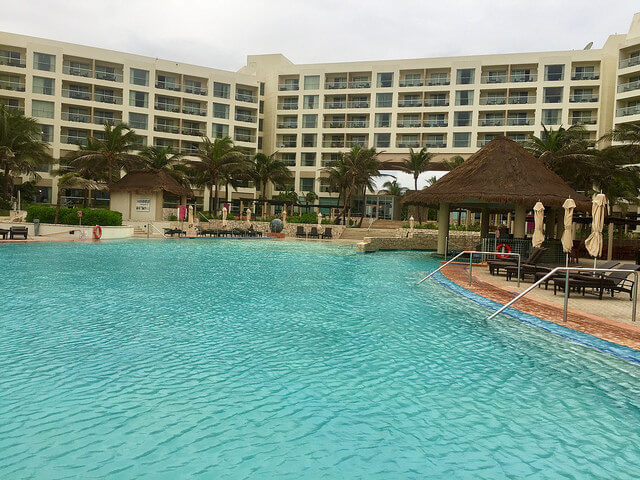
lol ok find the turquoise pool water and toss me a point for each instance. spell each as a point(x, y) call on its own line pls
point(258, 359)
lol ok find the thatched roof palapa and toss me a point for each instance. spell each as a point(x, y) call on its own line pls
point(150, 180)
point(504, 173)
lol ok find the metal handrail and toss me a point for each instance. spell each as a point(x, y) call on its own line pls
point(566, 288)
point(155, 228)
point(471, 253)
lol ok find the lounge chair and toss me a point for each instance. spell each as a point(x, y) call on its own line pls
point(4, 232)
point(253, 232)
point(18, 232)
point(314, 233)
point(300, 232)
point(562, 275)
point(613, 281)
point(327, 233)
point(496, 265)
point(174, 231)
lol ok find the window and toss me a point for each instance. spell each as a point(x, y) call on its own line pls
point(220, 110)
point(382, 139)
point(385, 80)
point(259, 143)
point(309, 121)
point(47, 133)
point(312, 82)
point(138, 99)
point(383, 120)
point(462, 119)
point(439, 100)
point(260, 125)
point(551, 117)
point(439, 78)
point(553, 95)
point(44, 61)
point(138, 120)
point(261, 88)
point(384, 99)
point(464, 97)
point(140, 77)
point(310, 102)
point(220, 130)
point(42, 109)
point(307, 184)
point(221, 90)
point(289, 159)
point(288, 141)
point(465, 76)
point(553, 73)
point(44, 86)
point(308, 139)
point(461, 139)
point(104, 72)
point(261, 107)
point(309, 159)
point(521, 75)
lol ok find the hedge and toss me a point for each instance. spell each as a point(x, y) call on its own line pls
point(69, 216)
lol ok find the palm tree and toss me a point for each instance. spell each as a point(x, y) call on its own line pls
point(629, 134)
point(216, 159)
point(103, 159)
point(336, 177)
point(265, 169)
point(309, 198)
point(22, 150)
point(417, 163)
point(431, 181)
point(72, 180)
point(453, 162)
point(167, 160)
point(394, 189)
point(363, 166)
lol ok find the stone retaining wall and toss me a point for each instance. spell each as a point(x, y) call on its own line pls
point(423, 240)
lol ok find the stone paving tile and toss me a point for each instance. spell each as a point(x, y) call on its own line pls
point(601, 327)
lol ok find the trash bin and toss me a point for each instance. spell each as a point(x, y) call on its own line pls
point(36, 226)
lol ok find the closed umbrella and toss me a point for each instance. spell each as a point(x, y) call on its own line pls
point(248, 217)
point(224, 216)
point(567, 234)
point(284, 216)
point(594, 241)
point(412, 223)
point(538, 219)
point(319, 219)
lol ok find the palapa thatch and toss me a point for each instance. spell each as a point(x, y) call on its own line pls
point(502, 173)
point(150, 180)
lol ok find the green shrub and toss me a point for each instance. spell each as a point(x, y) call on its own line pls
point(69, 216)
point(172, 217)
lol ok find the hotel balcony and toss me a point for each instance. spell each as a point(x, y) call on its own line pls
point(629, 62)
point(411, 82)
point(626, 111)
point(356, 143)
point(77, 70)
point(174, 87)
point(13, 60)
point(585, 76)
point(583, 98)
point(432, 82)
point(410, 102)
point(288, 87)
point(194, 131)
point(287, 124)
point(582, 120)
point(76, 117)
point(189, 149)
point(167, 107)
point(358, 103)
point(244, 137)
point(107, 75)
point(629, 86)
point(166, 128)
point(287, 106)
point(106, 97)
point(519, 121)
point(436, 102)
point(435, 123)
point(335, 105)
point(435, 144)
point(494, 78)
point(243, 117)
point(518, 100)
point(73, 139)
point(334, 85)
point(493, 100)
point(12, 85)
point(194, 110)
point(333, 143)
point(334, 124)
point(357, 123)
point(523, 78)
point(409, 123)
point(101, 119)
point(491, 122)
point(244, 97)
point(360, 84)
point(195, 90)
point(76, 94)
point(408, 143)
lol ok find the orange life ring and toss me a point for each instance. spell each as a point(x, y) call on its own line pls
point(97, 232)
point(499, 248)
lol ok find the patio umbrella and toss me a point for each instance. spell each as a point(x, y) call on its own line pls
point(567, 234)
point(284, 215)
point(538, 219)
point(248, 217)
point(412, 223)
point(594, 241)
point(319, 219)
point(224, 216)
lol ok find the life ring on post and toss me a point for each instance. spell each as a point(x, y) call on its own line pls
point(97, 232)
point(503, 248)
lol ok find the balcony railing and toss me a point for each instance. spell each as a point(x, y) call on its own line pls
point(627, 87)
point(583, 98)
point(552, 99)
point(195, 90)
point(522, 100)
point(101, 120)
point(438, 81)
point(167, 107)
point(174, 87)
point(436, 103)
point(411, 83)
point(585, 76)
point(409, 123)
point(43, 90)
point(194, 131)
point(333, 143)
point(76, 117)
point(383, 124)
point(77, 71)
point(76, 94)
point(288, 87)
point(491, 122)
point(138, 125)
point(333, 85)
point(626, 111)
point(357, 123)
point(108, 76)
point(163, 127)
point(360, 84)
point(194, 111)
point(410, 103)
point(483, 141)
point(334, 124)
point(436, 123)
point(335, 105)
point(519, 121)
point(12, 61)
point(243, 97)
point(189, 149)
point(384, 104)
point(241, 137)
point(287, 106)
point(494, 78)
point(14, 86)
point(493, 100)
point(583, 121)
point(523, 78)
point(630, 62)
point(408, 143)
point(288, 144)
point(242, 117)
point(358, 103)
point(73, 139)
point(356, 143)
point(287, 124)
point(107, 98)
point(435, 144)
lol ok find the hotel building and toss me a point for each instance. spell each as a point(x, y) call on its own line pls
point(311, 113)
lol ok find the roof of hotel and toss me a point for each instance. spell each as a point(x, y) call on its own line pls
point(503, 173)
point(150, 180)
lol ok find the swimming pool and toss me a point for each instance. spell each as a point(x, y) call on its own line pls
point(260, 359)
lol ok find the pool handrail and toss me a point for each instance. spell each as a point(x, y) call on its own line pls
point(471, 253)
point(634, 295)
point(149, 224)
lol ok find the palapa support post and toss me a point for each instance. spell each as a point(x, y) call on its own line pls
point(443, 228)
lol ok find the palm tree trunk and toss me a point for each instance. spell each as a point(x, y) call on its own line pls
point(55, 218)
point(216, 197)
point(364, 204)
point(415, 179)
point(264, 199)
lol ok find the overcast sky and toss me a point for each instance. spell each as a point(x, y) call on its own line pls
point(221, 34)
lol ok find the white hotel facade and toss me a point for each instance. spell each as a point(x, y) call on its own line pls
point(312, 113)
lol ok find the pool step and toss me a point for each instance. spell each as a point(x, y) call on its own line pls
point(360, 233)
